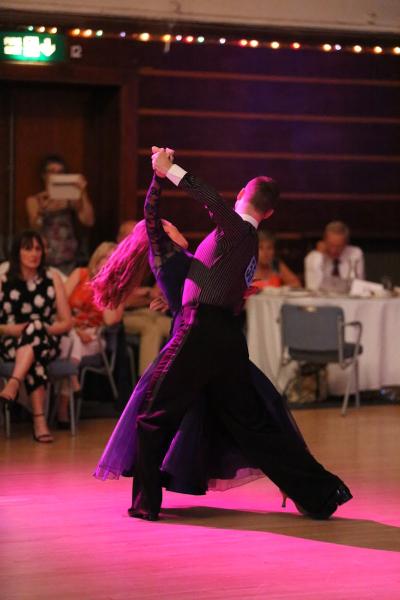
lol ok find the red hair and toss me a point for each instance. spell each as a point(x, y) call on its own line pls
point(124, 270)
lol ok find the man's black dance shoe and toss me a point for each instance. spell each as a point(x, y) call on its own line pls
point(341, 495)
point(141, 514)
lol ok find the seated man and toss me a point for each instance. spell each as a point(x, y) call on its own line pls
point(334, 260)
point(152, 327)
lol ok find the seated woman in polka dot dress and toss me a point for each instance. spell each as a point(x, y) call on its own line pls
point(34, 312)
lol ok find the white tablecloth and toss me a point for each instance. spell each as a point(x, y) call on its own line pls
point(380, 317)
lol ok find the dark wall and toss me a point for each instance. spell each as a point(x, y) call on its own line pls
point(325, 125)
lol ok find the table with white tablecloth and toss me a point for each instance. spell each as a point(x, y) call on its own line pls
point(380, 318)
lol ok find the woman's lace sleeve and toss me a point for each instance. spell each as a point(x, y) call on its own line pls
point(161, 247)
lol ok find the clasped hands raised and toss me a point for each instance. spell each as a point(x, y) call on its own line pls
point(161, 159)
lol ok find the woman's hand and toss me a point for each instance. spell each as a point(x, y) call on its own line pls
point(154, 292)
point(143, 291)
point(159, 304)
point(85, 336)
point(251, 291)
point(13, 330)
point(63, 322)
point(82, 183)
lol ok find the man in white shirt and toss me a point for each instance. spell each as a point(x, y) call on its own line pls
point(334, 260)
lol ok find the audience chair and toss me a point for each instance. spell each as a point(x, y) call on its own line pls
point(132, 345)
point(57, 370)
point(6, 369)
point(103, 362)
point(316, 335)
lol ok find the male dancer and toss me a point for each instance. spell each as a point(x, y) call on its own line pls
point(208, 351)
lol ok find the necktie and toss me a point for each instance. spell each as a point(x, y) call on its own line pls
point(335, 268)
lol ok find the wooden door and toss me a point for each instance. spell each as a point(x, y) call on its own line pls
point(78, 122)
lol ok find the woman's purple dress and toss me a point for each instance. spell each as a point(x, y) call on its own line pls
point(202, 454)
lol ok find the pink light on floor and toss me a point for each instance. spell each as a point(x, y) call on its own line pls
point(65, 531)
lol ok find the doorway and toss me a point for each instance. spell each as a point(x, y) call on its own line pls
point(79, 123)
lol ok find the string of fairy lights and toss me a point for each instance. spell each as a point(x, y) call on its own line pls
point(169, 38)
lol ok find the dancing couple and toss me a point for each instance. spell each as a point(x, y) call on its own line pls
point(202, 413)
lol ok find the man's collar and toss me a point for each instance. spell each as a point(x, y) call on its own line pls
point(249, 219)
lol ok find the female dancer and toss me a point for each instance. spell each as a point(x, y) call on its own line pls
point(202, 455)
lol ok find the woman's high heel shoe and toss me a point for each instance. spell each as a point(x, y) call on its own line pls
point(6, 398)
point(284, 498)
point(43, 438)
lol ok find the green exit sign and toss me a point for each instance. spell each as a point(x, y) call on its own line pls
point(32, 47)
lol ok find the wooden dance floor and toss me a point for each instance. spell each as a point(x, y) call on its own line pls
point(65, 535)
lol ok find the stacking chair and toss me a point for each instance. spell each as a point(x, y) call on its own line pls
point(316, 334)
point(102, 363)
point(6, 369)
point(132, 343)
point(59, 370)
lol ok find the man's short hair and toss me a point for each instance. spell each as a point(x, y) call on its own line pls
point(263, 193)
point(337, 227)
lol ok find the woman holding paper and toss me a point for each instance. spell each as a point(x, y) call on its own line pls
point(58, 219)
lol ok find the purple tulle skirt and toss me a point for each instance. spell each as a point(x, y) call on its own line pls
point(202, 455)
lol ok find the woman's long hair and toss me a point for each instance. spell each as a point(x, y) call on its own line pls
point(124, 269)
point(25, 240)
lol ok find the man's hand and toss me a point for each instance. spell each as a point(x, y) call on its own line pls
point(161, 159)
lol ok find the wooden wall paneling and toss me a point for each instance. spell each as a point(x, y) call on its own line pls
point(128, 106)
point(323, 135)
point(304, 177)
point(5, 165)
point(276, 135)
point(306, 218)
point(326, 126)
point(266, 116)
point(263, 61)
point(211, 90)
point(48, 120)
point(102, 159)
point(103, 100)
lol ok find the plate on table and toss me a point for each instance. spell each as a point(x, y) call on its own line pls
point(334, 295)
point(272, 291)
point(298, 293)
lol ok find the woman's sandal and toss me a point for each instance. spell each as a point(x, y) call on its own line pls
point(43, 438)
point(284, 498)
point(5, 397)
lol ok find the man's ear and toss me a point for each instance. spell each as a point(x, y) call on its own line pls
point(240, 194)
point(269, 213)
